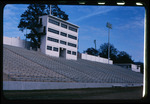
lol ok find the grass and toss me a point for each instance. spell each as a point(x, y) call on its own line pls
point(81, 94)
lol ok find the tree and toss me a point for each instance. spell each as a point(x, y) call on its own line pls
point(29, 20)
point(124, 57)
point(103, 51)
point(115, 55)
point(92, 51)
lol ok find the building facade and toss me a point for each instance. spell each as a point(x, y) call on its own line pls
point(60, 39)
point(130, 66)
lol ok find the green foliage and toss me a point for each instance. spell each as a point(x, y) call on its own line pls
point(92, 51)
point(115, 55)
point(103, 51)
point(124, 57)
point(29, 19)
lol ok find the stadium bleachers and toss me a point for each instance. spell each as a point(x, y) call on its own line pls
point(20, 64)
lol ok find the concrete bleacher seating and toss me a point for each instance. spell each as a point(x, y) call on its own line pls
point(27, 65)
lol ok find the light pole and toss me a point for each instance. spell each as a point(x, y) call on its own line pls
point(50, 10)
point(109, 26)
point(95, 43)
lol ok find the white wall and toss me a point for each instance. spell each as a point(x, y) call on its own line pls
point(70, 56)
point(95, 58)
point(16, 42)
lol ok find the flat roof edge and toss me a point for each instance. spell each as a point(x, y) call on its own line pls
point(60, 20)
point(63, 20)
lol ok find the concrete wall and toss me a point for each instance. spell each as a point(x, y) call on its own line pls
point(20, 85)
point(95, 58)
point(16, 42)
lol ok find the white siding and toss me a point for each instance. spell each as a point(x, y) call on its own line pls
point(95, 58)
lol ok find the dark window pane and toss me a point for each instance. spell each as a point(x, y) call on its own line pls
point(72, 37)
point(49, 47)
point(63, 25)
point(74, 53)
point(55, 49)
point(71, 44)
point(53, 39)
point(72, 29)
point(63, 34)
point(62, 42)
point(53, 31)
point(54, 22)
point(68, 51)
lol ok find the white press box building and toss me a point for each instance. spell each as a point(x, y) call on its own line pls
point(60, 39)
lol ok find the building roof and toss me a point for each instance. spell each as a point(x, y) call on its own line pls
point(26, 65)
point(59, 19)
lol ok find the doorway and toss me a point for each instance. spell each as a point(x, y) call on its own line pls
point(62, 52)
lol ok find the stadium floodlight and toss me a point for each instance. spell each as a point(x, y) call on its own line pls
point(139, 3)
point(109, 27)
point(120, 3)
point(81, 2)
point(101, 3)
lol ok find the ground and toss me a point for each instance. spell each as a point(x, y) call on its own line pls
point(81, 94)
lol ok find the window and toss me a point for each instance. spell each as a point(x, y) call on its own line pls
point(68, 51)
point(53, 22)
point(53, 31)
point(49, 47)
point(55, 49)
point(72, 37)
point(52, 39)
point(63, 25)
point(72, 29)
point(63, 34)
point(73, 53)
point(71, 44)
point(62, 42)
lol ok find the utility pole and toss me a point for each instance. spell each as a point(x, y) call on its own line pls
point(95, 43)
point(50, 10)
point(109, 26)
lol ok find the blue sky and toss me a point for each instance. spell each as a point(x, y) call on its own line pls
point(127, 33)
